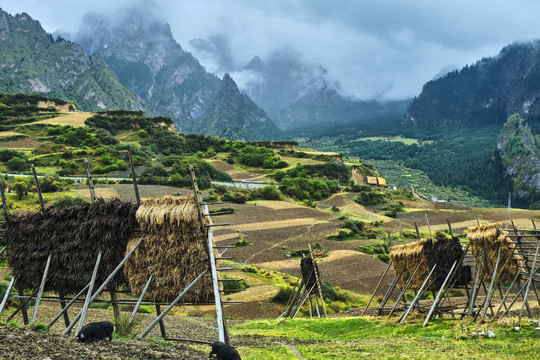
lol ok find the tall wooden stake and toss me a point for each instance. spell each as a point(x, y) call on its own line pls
point(377, 287)
point(153, 324)
point(420, 292)
point(105, 283)
point(6, 295)
point(402, 293)
point(161, 324)
point(317, 279)
point(528, 286)
point(134, 176)
point(42, 286)
point(88, 295)
point(429, 227)
point(90, 181)
point(140, 300)
point(66, 307)
point(38, 188)
point(487, 301)
point(436, 301)
point(3, 194)
point(63, 305)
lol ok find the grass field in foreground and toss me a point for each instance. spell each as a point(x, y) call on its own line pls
point(353, 338)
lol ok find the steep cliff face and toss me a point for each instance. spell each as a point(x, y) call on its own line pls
point(487, 92)
point(31, 61)
point(232, 113)
point(520, 157)
point(141, 50)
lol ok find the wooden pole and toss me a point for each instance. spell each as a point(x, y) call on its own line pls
point(436, 301)
point(429, 227)
point(6, 295)
point(63, 305)
point(90, 181)
point(389, 291)
point(114, 303)
point(38, 188)
point(106, 282)
point(402, 232)
point(417, 230)
point(88, 295)
point(134, 176)
point(317, 279)
point(420, 292)
point(161, 324)
point(449, 227)
point(3, 194)
point(66, 307)
point(377, 287)
point(409, 280)
point(140, 300)
point(528, 285)
point(23, 306)
point(153, 324)
point(222, 333)
point(475, 285)
point(42, 286)
point(526, 259)
point(487, 301)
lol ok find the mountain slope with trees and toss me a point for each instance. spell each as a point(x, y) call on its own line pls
point(141, 50)
point(485, 93)
point(31, 61)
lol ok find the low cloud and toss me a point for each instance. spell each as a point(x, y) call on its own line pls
point(376, 49)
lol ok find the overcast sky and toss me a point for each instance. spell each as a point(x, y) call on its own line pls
point(376, 49)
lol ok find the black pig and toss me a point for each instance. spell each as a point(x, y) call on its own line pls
point(224, 351)
point(97, 330)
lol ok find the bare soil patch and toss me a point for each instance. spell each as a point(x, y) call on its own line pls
point(19, 144)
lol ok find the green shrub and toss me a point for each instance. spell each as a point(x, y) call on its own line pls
point(40, 326)
point(369, 196)
point(283, 295)
point(125, 329)
point(66, 201)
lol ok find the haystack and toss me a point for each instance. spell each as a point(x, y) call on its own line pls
point(307, 269)
point(73, 236)
point(442, 251)
point(173, 251)
point(490, 238)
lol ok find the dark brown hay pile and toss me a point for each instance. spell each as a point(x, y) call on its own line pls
point(73, 236)
point(173, 251)
point(307, 268)
point(490, 238)
point(442, 251)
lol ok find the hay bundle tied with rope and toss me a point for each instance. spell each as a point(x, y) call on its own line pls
point(424, 254)
point(485, 242)
point(173, 251)
point(74, 236)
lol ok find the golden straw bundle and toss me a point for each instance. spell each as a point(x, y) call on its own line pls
point(489, 238)
point(173, 251)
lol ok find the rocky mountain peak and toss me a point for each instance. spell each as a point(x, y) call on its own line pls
point(32, 62)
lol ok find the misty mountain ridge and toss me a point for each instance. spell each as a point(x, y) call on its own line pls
point(141, 50)
point(31, 61)
point(487, 92)
point(297, 94)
